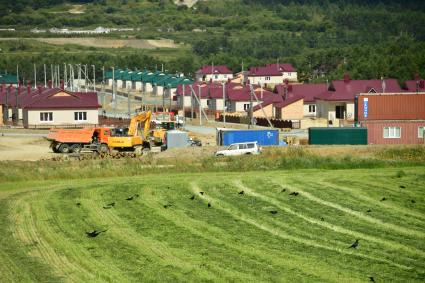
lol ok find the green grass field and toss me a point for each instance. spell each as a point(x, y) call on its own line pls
point(237, 239)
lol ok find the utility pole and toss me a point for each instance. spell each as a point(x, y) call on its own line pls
point(103, 86)
point(113, 84)
point(85, 76)
point(200, 105)
point(45, 76)
point(17, 74)
point(169, 93)
point(65, 76)
point(224, 104)
point(163, 100)
point(51, 71)
point(94, 78)
point(250, 109)
point(35, 77)
point(128, 103)
point(191, 105)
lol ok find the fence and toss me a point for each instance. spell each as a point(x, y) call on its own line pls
point(277, 123)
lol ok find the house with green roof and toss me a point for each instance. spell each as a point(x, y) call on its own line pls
point(8, 79)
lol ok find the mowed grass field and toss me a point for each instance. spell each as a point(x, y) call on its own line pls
point(262, 234)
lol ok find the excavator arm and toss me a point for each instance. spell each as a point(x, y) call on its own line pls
point(136, 120)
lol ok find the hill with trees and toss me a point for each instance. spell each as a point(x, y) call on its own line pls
point(322, 38)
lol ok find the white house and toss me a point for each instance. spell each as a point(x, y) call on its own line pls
point(271, 74)
point(219, 73)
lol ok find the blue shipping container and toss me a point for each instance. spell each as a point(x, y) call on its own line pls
point(263, 137)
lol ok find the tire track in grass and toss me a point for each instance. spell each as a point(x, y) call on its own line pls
point(228, 209)
point(338, 229)
point(154, 249)
point(399, 229)
point(374, 201)
point(199, 229)
point(27, 232)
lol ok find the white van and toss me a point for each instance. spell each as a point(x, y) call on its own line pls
point(240, 149)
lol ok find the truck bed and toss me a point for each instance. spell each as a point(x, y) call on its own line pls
point(71, 136)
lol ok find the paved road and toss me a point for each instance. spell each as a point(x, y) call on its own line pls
point(200, 129)
point(26, 135)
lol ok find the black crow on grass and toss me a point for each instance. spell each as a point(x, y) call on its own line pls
point(371, 279)
point(283, 190)
point(241, 192)
point(294, 193)
point(383, 199)
point(129, 198)
point(78, 204)
point(209, 204)
point(402, 187)
point(167, 206)
point(369, 210)
point(322, 219)
point(107, 207)
point(192, 197)
point(354, 245)
point(111, 204)
point(202, 193)
point(94, 233)
point(273, 211)
point(413, 201)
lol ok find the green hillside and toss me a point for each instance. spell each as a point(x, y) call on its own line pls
point(323, 39)
point(265, 234)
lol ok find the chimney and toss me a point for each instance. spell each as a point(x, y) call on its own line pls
point(228, 80)
point(40, 88)
point(384, 86)
point(50, 83)
point(346, 78)
point(62, 85)
point(422, 84)
point(28, 87)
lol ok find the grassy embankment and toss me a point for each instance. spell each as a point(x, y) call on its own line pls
point(163, 235)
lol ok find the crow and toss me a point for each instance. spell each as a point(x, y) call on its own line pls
point(136, 195)
point(167, 205)
point(369, 210)
point(273, 211)
point(283, 190)
point(78, 204)
point(383, 199)
point(111, 204)
point(94, 233)
point(294, 193)
point(371, 279)
point(241, 192)
point(192, 197)
point(107, 207)
point(322, 219)
point(402, 187)
point(209, 204)
point(413, 201)
point(354, 245)
point(202, 193)
point(129, 198)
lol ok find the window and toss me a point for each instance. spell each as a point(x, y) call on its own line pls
point(312, 108)
point(267, 78)
point(242, 146)
point(421, 131)
point(216, 76)
point(225, 76)
point(246, 106)
point(80, 116)
point(233, 147)
point(339, 112)
point(46, 116)
point(392, 132)
point(251, 145)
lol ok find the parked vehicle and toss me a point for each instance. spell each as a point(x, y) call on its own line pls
point(240, 149)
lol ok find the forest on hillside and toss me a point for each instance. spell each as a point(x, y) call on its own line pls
point(322, 38)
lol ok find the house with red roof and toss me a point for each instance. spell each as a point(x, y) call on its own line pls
point(306, 91)
point(190, 94)
point(271, 74)
point(220, 73)
point(49, 107)
point(282, 105)
point(336, 104)
point(417, 85)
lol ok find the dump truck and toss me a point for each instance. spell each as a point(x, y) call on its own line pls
point(73, 141)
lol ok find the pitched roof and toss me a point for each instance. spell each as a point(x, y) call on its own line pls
point(54, 98)
point(346, 90)
point(411, 85)
point(279, 101)
point(271, 70)
point(208, 69)
point(307, 91)
point(8, 79)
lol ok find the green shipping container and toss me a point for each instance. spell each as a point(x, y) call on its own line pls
point(337, 135)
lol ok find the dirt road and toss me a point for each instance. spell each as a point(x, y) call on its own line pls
point(24, 148)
